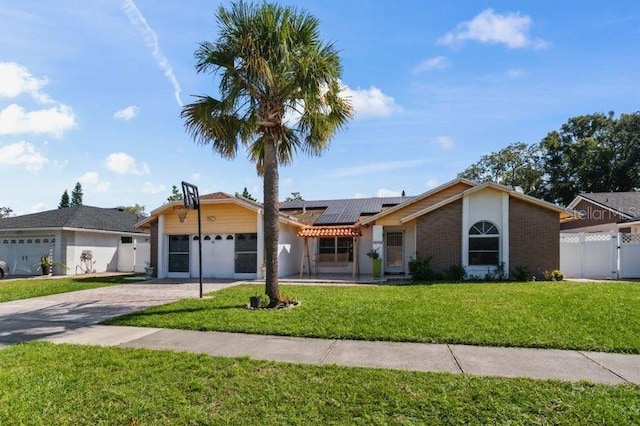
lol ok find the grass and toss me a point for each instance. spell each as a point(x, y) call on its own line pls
point(41, 383)
point(564, 315)
point(35, 287)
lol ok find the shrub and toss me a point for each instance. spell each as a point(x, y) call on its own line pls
point(521, 273)
point(456, 272)
point(558, 275)
point(420, 269)
point(498, 275)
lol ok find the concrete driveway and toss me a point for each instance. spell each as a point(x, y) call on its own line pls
point(47, 316)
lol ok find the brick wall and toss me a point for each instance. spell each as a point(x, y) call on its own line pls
point(439, 234)
point(534, 237)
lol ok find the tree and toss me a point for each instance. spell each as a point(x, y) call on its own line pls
point(76, 195)
point(516, 165)
point(279, 92)
point(5, 212)
point(136, 209)
point(295, 196)
point(64, 200)
point(246, 194)
point(176, 195)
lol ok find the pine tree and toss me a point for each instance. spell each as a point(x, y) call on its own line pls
point(76, 195)
point(246, 194)
point(64, 200)
point(176, 195)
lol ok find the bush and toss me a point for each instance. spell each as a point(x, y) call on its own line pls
point(420, 269)
point(555, 275)
point(521, 273)
point(456, 272)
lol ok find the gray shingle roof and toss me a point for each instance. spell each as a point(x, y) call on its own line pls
point(625, 202)
point(84, 217)
point(345, 211)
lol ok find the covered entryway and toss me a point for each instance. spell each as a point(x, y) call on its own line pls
point(394, 249)
point(23, 253)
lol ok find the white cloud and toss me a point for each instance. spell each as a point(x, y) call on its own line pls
point(151, 38)
point(151, 188)
point(383, 192)
point(195, 177)
point(16, 80)
point(515, 73)
point(377, 168)
point(369, 103)
point(445, 142)
point(510, 29)
point(92, 179)
point(287, 182)
point(22, 154)
point(39, 207)
point(435, 63)
point(124, 164)
point(432, 183)
point(360, 195)
point(127, 113)
point(54, 121)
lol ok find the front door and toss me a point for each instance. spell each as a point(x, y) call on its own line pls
point(394, 258)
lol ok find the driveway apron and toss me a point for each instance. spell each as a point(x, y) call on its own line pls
point(47, 316)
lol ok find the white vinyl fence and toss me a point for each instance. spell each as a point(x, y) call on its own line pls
point(600, 255)
point(133, 257)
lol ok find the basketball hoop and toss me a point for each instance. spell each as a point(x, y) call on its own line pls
point(181, 212)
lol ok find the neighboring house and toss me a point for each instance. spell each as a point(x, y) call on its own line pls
point(232, 239)
point(478, 226)
point(605, 212)
point(63, 234)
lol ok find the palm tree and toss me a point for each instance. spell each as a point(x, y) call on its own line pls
point(279, 91)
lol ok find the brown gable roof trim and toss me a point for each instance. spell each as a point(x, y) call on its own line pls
point(330, 231)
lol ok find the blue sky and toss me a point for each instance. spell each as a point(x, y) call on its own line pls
point(91, 92)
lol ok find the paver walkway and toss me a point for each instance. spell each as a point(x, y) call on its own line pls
point(74, 317)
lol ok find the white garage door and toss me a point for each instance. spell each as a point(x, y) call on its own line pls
point(217, 256)
point(23, 254)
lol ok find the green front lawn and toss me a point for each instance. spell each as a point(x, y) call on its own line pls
point(41, 383)
point(565, 315)
point(35, 287)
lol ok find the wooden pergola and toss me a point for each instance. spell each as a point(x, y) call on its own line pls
point(329, 232)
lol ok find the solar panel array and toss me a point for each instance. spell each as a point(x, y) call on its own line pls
point(340, 212)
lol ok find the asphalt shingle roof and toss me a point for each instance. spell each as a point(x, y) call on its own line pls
point(345, 211)
point(83, 217)
point(625, 202)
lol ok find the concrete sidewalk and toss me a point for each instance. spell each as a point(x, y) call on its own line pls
point(596, 367)
point(74, 318)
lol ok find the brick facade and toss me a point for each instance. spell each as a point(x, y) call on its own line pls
point(534, 237)
point(439, 234)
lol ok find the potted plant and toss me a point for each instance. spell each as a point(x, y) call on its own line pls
point(148, 270)
point(255, 302)
point(377, 262)
point(46, 264)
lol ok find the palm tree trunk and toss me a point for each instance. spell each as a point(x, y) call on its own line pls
point(270, 188)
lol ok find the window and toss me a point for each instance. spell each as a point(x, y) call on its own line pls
point(484, 244)
point(246, 253)
point(179, 253)
point(335, 250)
point(126, 240)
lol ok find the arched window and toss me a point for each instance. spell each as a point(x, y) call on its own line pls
point(484, 244)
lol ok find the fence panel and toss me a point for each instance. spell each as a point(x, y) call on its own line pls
point(589, 255)
point(629, 255)
point(133, 257)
